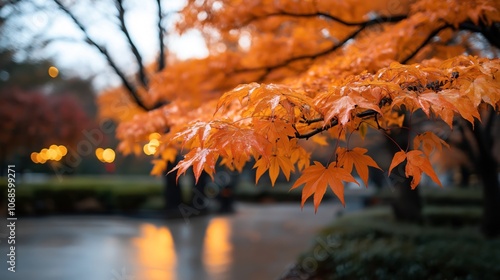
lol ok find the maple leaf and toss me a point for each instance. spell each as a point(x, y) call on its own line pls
point(234, 142)
point(195, 134)
point(463, 104)
point(416, 164)
point(201, 159)
point(274, 164)
point(357, 158)
point(273, 128)
point(342, 106)
point(484, 89)
point(439, 105)
point(316, 179)
point(429, 142)
point(240, 92)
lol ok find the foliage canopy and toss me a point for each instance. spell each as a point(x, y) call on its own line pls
point(281, 72)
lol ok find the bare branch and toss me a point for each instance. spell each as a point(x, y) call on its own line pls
point(370, 22)
point(161, 57)
point(130, 88)
point(141, 71)
point(491, 33)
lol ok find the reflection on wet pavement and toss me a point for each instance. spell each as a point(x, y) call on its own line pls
point(257, 242)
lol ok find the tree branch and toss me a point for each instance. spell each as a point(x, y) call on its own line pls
point(491, 33)
point(130, 88)
point(268, 69)
point(370, 22)
point(161, 57)
point(362, 25)
point(121, 17)
point(425, 42)
point(333, 122)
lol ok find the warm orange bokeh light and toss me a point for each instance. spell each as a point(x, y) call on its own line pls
point(44, 154)
point(34, 157)
point(108, 155)
point(154, 135)
point(156, 252)
point(54, 152)
point(98, 153)
point(53, 72)
point(217, 246)
point(149, 149)
point(63, 150)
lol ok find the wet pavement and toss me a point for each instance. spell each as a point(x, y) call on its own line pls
point(259, 241)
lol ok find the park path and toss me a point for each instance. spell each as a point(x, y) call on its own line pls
point(259, 241)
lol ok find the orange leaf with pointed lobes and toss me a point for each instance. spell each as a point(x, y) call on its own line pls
point(274, 164)
point(357, 158)
point(201, 159)
point(316, 179)
point(429, 142)
point(417, 164)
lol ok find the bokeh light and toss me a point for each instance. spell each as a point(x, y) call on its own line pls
point(63, 150)
point(53, 72)
point(98, 153)
point(34, 157)
point(54, 152)
point(149, 149)
point(43, 154)
point(154, 135)
point(108, 155)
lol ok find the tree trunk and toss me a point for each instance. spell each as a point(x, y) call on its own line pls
point(172, 196)
point(487, 168)
point(407, 205)
point(491, 197)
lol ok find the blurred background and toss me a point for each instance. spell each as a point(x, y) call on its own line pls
point(85, 211)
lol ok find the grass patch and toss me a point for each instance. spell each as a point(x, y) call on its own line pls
point(371, 245)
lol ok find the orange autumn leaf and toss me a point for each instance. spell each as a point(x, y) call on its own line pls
point(416, 164)
point(274, 164)
point(398, 158)
point(429, 142)
point(200, 159)
point(357, 158)
point(317, 177)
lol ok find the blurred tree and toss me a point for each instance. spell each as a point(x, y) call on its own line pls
point(32, 121)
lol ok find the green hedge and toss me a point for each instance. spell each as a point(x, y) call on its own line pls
point(370, 245)
point(106, 195)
